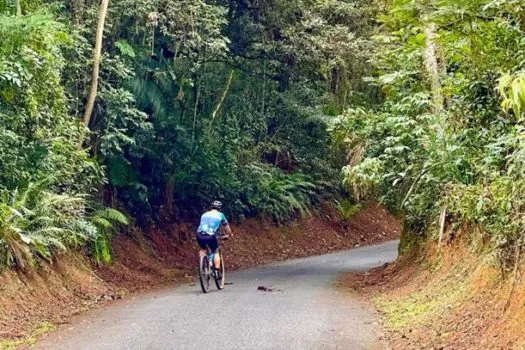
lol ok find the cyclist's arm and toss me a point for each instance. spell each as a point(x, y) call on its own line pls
point(226, 225)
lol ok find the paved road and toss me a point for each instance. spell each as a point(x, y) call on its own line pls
point(307, 312)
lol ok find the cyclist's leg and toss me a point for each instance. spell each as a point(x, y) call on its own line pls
point(214, 246)
point(217, 260)
point(202, 241)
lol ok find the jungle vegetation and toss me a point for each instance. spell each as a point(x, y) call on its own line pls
point(157, 107)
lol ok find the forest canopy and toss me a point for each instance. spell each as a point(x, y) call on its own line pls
point(259, 103)
point(196, 100)
point(444, 144)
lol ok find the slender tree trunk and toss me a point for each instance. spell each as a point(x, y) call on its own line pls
point(195, 112)
point(18, 8)
point(442, 221)
point(432, 67)
point(153, 42)
point(96, 62)
point(223, 97)
point(263, 107)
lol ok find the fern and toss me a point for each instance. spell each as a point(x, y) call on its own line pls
point(101, 250)
point(281, 195)
point(34, 221)
point(104, 221)
point(346, 208)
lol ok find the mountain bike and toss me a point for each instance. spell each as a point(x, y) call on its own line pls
point(207, 270)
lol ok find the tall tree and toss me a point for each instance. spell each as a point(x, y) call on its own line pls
point(18, 8)
point(96, 62)
point(432, 66)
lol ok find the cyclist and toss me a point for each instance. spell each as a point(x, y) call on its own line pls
point(209, 226)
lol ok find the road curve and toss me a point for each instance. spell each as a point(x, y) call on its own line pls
point(303, 312)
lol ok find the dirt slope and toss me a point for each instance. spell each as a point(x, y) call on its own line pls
point(50, 295)
point(453, 300)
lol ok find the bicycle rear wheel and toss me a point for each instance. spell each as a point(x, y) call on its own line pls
point(219, 282)
point(204, 273)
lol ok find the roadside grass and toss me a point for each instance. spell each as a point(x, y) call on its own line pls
point(446, 303)
point(454, 298)
point(453, 281)
point(11, 344)
point(425, 304)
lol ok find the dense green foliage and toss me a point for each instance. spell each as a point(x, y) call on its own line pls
point(44, 175)
point(258, 103)
point(236, 98)
point(464, 158)
point(197, 100)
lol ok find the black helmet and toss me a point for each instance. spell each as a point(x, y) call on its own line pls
point(216, 205)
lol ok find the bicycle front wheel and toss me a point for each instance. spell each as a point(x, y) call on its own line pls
point(204, 273)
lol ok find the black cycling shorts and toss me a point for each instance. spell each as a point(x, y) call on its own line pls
point(206, 241)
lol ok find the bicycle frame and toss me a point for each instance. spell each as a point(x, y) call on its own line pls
point(211, 257)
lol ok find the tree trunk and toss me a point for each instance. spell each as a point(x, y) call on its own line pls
point(96, 62)
point(18, 8)
point(442, 221)
point(432, 67)
point(223, 97)
point(195, 112)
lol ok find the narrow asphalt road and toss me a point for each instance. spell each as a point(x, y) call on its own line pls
point(304, 312)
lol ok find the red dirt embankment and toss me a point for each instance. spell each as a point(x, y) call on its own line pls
point(161, 257)
point(447, 298)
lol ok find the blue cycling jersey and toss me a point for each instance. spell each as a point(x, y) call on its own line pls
point(211, 221)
